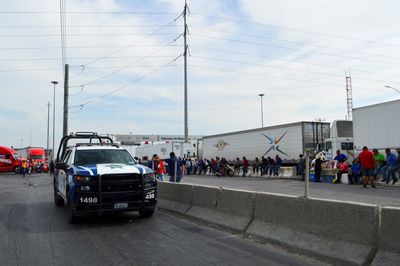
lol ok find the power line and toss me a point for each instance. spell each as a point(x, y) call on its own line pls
point(296, 43)
point(81, 35)
point(89, 26)
point(58, 69)
point(80, 47)
point(273, 76)
point(75, 58)
point(308, 14)
point(124, 67)
point(300, 30)
point(125, 86)
point(29, 70)
point(286, 60)
point(295, 49)
point(89, 12)
point(134, 43)
point(283, 68)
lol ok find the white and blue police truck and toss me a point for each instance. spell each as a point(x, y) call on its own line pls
point(93, 175)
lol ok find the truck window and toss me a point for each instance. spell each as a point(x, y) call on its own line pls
point(66, 157)
point(69, 159)
point(85, 157)
point(328, 145)
point(347, 146)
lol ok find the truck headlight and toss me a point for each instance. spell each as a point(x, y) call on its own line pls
point(150, 177)
point(80, 178)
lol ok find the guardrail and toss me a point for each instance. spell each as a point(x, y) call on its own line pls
point(337, 231)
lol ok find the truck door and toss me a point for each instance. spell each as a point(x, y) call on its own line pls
point(62, 175)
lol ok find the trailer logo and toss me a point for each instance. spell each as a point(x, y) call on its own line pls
point(275, 144)
point(221, 144)
point(164, 150)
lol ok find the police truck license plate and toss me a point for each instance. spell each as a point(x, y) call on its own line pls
point(120, 205)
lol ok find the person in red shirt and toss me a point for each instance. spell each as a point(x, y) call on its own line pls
point(160, 170)
point(366, 158)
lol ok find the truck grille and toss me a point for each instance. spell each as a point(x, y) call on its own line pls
point(119, 188)
point(121, 183)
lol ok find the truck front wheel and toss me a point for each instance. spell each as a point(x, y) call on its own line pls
point(146, 213)
point(58, 201)
point(72, 218)
point(16, 170)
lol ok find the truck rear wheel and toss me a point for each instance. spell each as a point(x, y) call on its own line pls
point(146, 213)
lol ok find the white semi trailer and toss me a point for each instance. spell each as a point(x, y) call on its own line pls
point(183, 150)
point(377, 126)
point(287, 141)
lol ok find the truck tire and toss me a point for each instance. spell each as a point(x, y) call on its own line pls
point(72, 218)
point(16, 170)
point(58, 201)
point(146, 213)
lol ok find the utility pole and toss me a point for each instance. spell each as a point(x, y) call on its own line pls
point(262, 111)
point(65, 117)
point(307, 173)
point(54, 82)
point(48, 129)
point(185, 73)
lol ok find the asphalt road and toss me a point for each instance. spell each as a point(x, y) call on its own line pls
point(33, 231)
point(382, 195)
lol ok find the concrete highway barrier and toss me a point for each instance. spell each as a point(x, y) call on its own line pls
point(389, 242)
point(344, 233)
point(226, 207)
point(340, 231)
point(174, 196)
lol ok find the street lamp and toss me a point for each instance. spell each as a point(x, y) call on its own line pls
point(54, 113)
point(393, 88)
point(262, 111)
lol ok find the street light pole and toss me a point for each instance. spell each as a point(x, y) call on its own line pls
point(393, 88)
point(262, 111)
point(48, 129)
point(54, 114)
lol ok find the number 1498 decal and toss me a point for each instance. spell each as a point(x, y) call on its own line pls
point(88, 200)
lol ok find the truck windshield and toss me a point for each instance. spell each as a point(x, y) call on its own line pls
point(99, 156)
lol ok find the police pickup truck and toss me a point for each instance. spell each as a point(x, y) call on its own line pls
point(93, 175)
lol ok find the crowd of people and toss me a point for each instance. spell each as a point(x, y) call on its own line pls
point(176, 167)
point(366, 169)
point(29, 167)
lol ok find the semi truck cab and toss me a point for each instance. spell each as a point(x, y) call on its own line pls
point(341, 138)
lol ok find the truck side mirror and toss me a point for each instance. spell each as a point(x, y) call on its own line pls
point(61, 166)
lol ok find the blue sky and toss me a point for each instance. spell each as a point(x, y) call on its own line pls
point(296, 52)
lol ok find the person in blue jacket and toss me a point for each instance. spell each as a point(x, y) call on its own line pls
point(390, 161)
point(174, 168)
point(355, 172)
